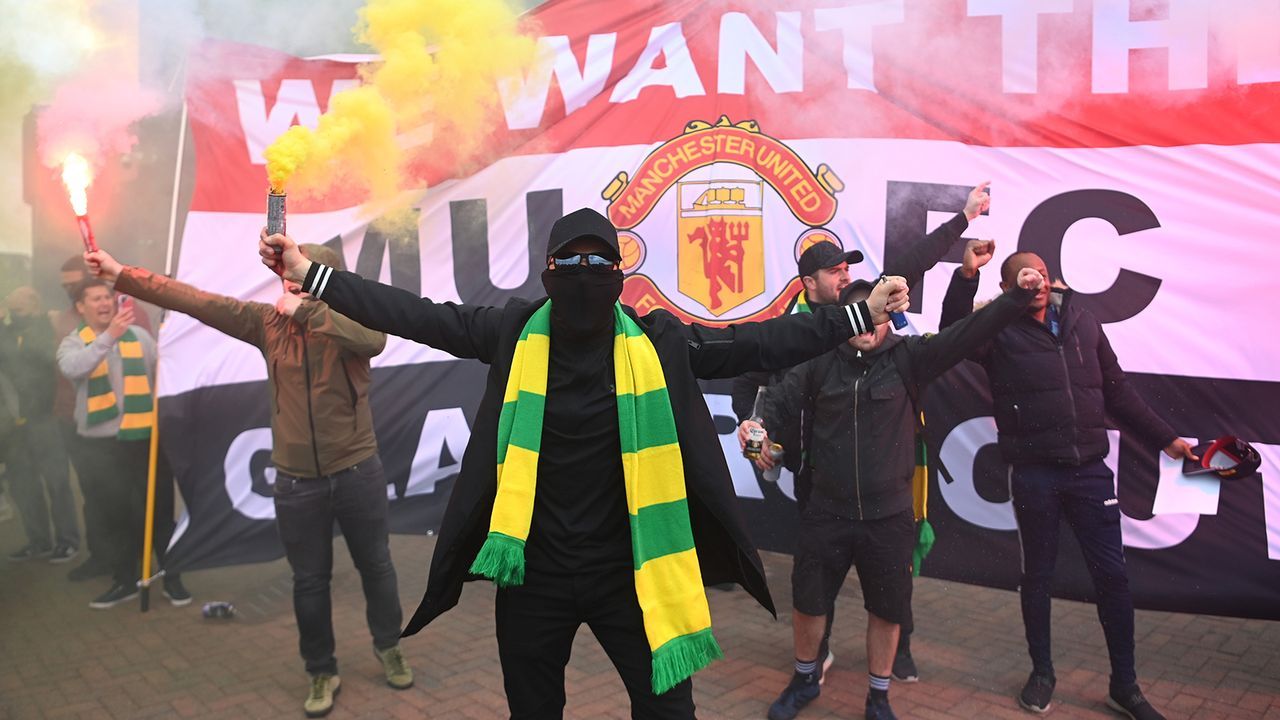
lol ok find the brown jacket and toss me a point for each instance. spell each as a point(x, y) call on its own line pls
point(317, 370)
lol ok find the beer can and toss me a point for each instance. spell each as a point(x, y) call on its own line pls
point(218, 610)
point(775, 453)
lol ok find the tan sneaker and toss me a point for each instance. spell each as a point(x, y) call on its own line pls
point(323, 689)
point(399, 676)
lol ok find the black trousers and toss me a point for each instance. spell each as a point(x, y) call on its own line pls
point(114, 482)
point(37, 462)
point(82, 453)
point(536, 623)
point(1084, 496)
point(306, 510)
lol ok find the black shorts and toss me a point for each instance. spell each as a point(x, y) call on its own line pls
point(880, 549)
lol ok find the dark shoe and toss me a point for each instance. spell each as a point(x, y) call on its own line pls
point(62, 554)
point(802, 690)
point(904, 667)
point(27, 552)
point(1037, 694)
point(88, 569)
point(176, 591)
point(878, 708)
point(320, 700)
point(118, 593)
point(1130, 703)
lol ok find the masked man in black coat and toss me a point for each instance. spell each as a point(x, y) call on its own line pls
point(579, 561)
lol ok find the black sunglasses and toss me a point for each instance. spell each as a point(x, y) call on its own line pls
point(587, 259)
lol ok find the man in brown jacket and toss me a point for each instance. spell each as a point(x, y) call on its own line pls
point(323, 449)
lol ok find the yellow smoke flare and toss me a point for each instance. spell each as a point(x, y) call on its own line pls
point(435, 85)
point(76, 175)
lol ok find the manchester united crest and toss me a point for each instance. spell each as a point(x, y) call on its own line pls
point(719, 183)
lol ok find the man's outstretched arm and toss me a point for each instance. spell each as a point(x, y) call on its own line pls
point(465, 331)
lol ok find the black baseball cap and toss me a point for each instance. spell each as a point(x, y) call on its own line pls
point(583, 223)
point(859, 288)
point(825, 254)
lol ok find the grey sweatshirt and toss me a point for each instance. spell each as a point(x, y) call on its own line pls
point(76, 361)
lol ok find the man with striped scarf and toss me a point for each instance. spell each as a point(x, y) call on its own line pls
point(112, 364)
point(593, 489)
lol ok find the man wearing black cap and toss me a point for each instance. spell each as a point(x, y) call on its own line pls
point(824, 270)
point(557, 496)
point(862, 397)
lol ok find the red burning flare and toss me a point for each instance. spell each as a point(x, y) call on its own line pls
point(76, 175)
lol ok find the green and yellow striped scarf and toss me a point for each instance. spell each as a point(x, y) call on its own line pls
point(920, 502)
point(801, 304)
point(677, 620)
point(138, 407)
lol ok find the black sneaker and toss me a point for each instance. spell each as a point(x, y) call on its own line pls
point(27, 552)
point(904, 667)
point(88, 569)
point(1129, 702)
point(176, 591)
point(802, 690)
point(118, 593)
point(878, 708)
point(1037, 694)
point(62, 554)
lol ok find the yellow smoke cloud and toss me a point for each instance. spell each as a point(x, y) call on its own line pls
point(437, 78)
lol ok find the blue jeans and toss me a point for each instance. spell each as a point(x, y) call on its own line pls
point(1085, 497)
point(306, 509)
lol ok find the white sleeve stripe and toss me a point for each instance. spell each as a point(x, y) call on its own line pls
point(856, 321)
point(323, 278)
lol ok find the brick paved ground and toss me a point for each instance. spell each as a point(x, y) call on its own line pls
point(59, 659)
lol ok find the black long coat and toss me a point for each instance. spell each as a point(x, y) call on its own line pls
point(686, 351)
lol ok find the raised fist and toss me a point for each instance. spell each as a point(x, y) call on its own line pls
point(281, 254)
point(1030, 279)
point(976, 254)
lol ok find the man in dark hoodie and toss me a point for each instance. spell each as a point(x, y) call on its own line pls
point(1054, 379)
point(633, 510)
point(863, 398)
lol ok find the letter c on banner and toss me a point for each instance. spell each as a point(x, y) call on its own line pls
point(958, 453)
point(238, 469)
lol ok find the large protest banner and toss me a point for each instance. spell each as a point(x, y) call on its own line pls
point(1133, 146)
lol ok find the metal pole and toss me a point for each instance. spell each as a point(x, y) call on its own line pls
point(177, 181)
point(148, 534)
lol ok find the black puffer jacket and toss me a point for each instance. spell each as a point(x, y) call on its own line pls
point(1052, 394)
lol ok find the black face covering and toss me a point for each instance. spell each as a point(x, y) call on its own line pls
point(582, 301)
